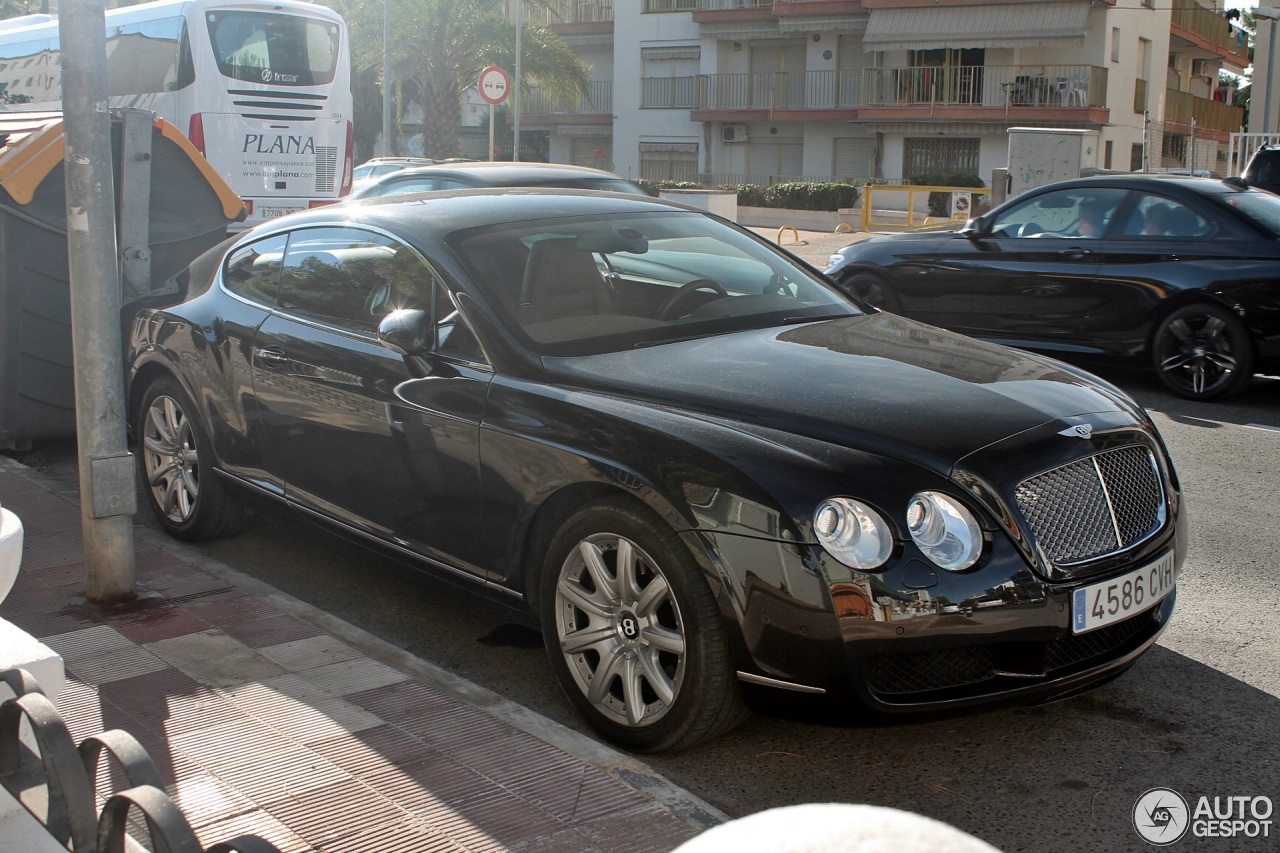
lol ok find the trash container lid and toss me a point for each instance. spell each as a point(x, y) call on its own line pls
point(33, 146)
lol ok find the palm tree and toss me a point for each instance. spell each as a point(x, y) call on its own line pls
point(438, 48)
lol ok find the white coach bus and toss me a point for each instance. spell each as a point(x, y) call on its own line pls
point(262, 89)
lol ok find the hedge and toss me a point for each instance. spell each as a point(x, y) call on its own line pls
point(798, 195)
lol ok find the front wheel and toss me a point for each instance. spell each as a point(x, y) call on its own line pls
point(873, 290)
point(634, 633)
point(1202, 352)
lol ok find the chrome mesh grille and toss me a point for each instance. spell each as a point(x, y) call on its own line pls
point(1094, 506)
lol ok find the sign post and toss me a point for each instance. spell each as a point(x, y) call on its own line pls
point(494, 85)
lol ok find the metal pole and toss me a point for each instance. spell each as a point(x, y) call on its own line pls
point(1192, 158)
point(386, 78)
point(1267, 126)
point(107, 498)
point(515, 102)
point(491, 133)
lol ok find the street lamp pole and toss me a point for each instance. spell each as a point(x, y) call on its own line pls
point(386, 77)
point(515, 96)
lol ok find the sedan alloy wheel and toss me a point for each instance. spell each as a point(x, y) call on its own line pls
point(1203, 352)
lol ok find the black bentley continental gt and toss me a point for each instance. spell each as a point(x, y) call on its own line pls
point(1181, 272)
point(689, 459)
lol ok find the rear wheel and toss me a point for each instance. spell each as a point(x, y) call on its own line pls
point(634, 633)
point(1203, 352)
point(176, 463)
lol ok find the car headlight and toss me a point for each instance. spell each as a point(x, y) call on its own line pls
point(832, 260)
point(946, 532)
point(853, 533)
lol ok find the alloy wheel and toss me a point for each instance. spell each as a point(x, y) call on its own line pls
point(620, 630)
point(1198, 356)
point(171, 459)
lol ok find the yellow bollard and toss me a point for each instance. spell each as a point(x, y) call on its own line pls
point(843, 228)
point(793, 231)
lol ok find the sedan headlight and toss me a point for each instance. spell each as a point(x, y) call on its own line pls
point(832, 260)
point(946, 532)
point(853, 533)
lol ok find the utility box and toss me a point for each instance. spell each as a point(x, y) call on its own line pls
point(1042, 155)
point(171, 207)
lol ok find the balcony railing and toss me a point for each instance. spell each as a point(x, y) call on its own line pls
point(1209, 25)
point(979, 86)
point(701, 5)
point(1181, 107)
point(988, 86)
point(576, 12)
point(598, 99)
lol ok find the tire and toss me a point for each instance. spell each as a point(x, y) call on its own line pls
point(658, 639)
point(1202, 352)
point(873, 290)
point(175, 461)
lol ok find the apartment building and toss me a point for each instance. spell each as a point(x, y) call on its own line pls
point(765, 90)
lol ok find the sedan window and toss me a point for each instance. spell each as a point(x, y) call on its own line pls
point(1072, 213)
point(413, 185)
point(1157, 217)
point(253, 271)
point(351, 278)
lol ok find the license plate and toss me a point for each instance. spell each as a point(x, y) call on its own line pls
point(1111, 601)
point(275, 212)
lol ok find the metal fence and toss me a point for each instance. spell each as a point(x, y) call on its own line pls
point(58, 784)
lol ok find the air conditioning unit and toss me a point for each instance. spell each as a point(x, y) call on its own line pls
point(1200, 68)
point(733, 133)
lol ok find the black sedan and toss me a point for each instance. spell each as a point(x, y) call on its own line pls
point(1182, 272)
point(684, 456)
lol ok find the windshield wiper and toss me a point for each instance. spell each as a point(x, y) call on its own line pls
point(814, 318)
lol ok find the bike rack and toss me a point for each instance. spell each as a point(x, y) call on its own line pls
point(62, 778)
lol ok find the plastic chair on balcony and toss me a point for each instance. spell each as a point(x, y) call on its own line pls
point(1072, 90)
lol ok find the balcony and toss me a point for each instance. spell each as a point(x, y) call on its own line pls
point(1210, 31)
point(981, 86)
point(702, 5)
point(1055, 86)
point(1181, 107)
point(575, 12)
point(598, 100)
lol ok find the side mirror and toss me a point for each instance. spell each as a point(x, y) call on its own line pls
point(407, 331)
point(1235, 181)
point(974, 228)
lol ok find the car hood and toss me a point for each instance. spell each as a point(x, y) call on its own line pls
point(918, 239)
point(878, 382)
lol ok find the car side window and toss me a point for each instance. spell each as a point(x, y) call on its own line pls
point(1158, 217)
point(1076, 213)
point(253, 271)
point(350, 278)
point(448, 184)
point(410, 185)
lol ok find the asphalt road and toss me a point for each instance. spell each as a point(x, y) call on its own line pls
point(1199, 714)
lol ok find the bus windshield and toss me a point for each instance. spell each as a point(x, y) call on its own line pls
point(273, 48)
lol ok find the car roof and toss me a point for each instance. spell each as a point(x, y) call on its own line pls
point(1149, 181)
point(429, 217)
point(507, 174)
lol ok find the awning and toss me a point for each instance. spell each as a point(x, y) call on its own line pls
point(739, 30)
point(843, 24)
point(658, 53)
point(1031, 23)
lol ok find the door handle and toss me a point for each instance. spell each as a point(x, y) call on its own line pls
point(1077, 252)
point(271, 355)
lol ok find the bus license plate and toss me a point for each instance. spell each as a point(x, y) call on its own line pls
point(1112, 601)
point(275, 212)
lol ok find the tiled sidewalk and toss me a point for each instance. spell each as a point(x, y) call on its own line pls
point(262, 719)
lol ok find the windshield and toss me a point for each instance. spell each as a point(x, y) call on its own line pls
point(277, 49)
point(604, 284)
point(1260, 208)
